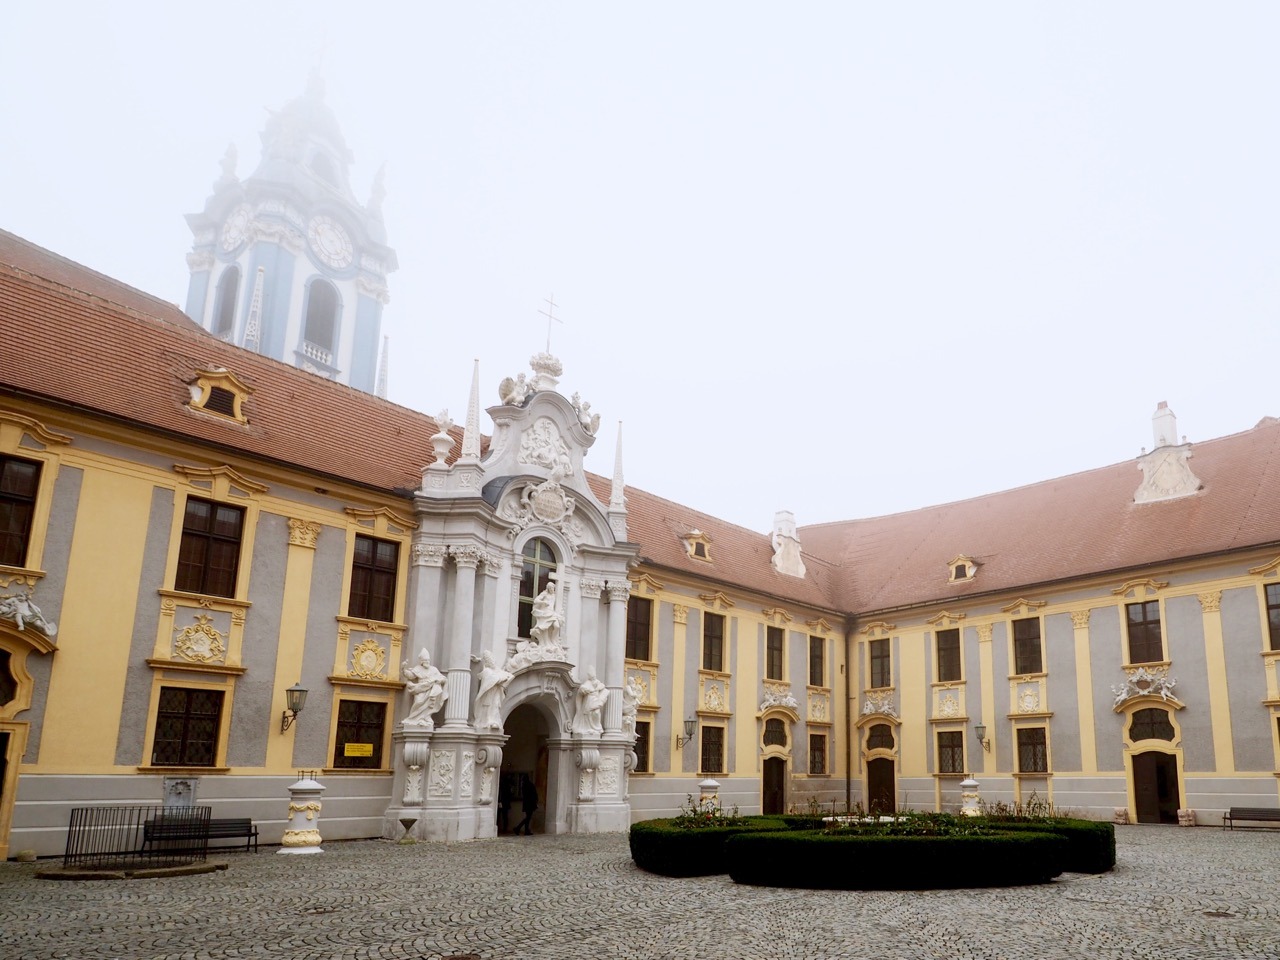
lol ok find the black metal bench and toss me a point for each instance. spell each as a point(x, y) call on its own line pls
point(1259, 814)
point(161, 831)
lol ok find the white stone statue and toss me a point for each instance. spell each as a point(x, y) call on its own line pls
point(19, 608)
point(427, 686)
point(513, 391)
point(547, 619)
point(589, 701)
point(493, 689)
point(632, 694)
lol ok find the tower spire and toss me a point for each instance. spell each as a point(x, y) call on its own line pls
point(617, 494)
point(471, 432)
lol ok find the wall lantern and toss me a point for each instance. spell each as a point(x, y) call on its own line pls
point(294, 698)
point(690, 728)
point(980, 731)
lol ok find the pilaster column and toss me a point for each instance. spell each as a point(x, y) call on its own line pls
point(615, 652)
point(1084, 691)
point(1215, 656)
point(457, 708)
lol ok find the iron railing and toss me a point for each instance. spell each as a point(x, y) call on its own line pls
point(124, 836)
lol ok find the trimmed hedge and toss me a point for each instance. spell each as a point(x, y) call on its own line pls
point(1091, 844)
point(847, 860)
point(661, 847)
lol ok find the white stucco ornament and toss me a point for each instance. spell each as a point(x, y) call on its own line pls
point(542, 446)
point(778, 695)
point(1146, 683)
point(19, 608)
point(879, 701)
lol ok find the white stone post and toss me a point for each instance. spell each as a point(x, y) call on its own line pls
point(457, 709)
point(615, 649)
point(303, 832)
point(969, 798)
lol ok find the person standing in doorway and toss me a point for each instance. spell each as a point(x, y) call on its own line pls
point(504, 802)
point(528, 803)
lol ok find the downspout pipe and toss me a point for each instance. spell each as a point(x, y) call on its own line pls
point(850, 623)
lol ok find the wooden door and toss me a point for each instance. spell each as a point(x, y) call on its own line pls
point(881, 792)
point(775, 786)
point(1155, 787)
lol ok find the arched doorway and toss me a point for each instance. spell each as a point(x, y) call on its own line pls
point(881, 797)
point(774, 800)
point(1155, 787)
point(524, 755)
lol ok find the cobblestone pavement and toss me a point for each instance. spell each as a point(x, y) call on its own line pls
point(1175, 893)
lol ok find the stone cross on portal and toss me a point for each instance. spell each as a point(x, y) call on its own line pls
point(549, 313)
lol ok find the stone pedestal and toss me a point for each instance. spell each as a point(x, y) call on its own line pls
point(970, 802)
point(596, 784)
point(303, 833)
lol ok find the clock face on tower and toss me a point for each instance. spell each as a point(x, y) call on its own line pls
point(235, 229)
point(330, 242)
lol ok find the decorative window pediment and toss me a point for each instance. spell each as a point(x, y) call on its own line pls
point(32, 428)
point(1023, 607)
point(223, 482)
point(776, 615)
point(219, 392)
point(818, 625)
point(716, 601)
point(879, 629)
point(647, 583)
point(381, 520)
point(945, 619)
point(1138, 589)
point(1269, 569)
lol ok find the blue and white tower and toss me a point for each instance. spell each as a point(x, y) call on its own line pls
point(288, 262)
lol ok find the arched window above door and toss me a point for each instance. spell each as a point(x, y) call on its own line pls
point(1150, 724)
point(537, 566)
point(775, 733)
point(880, 737)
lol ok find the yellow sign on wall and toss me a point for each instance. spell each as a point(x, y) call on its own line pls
point(358, 750)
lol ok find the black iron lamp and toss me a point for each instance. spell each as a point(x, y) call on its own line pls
point(295, 698)
point(980, 731)
point(690, 728)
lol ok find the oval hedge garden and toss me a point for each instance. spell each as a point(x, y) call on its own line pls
point(912, 851)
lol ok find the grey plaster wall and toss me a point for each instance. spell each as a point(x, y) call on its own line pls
point(1184, 643)
point(1001, 702)
point(311, 745)
point(1106, 657)
point(661, 741)
point(1060, 664)
point(689, 756)
point(146, 622)
point(251, 720)
point(1243, 638)
point(63, 514)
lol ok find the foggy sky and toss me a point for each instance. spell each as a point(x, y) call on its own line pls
point(843, 259)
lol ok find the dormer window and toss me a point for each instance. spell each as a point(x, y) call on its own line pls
point(219, 392)
point(961, 570)
point(698, 544)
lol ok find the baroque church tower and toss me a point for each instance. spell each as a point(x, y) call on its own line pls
point(288, 263)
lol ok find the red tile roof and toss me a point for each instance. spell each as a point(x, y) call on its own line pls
point(86, 340)
point(1074, 526)
point(103, 346)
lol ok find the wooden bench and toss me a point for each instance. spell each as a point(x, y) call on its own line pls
point(1259, 814)
point(225, 828)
